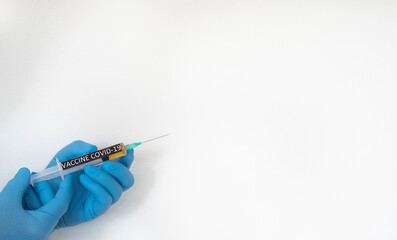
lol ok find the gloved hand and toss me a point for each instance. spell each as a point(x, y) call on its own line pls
point(17, 222)
point(95, 189)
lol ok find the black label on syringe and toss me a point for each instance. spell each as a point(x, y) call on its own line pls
point(103, 153)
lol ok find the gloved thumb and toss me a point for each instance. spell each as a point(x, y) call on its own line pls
point(60, 203)
point(17, 186)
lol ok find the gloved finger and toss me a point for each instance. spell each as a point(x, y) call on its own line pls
point(103, 199)
point(120, 172)
point(74, 149)
point(24, 206)
point(127, 159)
point(17, 186)
point(60, 203)
point(45, 192)
point(31, 199)
point(105, 180)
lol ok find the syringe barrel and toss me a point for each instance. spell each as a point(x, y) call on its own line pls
point(54, 171)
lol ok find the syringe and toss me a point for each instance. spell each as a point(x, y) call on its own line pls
point(94, 158)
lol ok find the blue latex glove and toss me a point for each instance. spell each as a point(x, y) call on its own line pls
point(95, 190)
point(18, 221)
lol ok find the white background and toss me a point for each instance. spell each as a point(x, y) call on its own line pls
point(282, 113)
